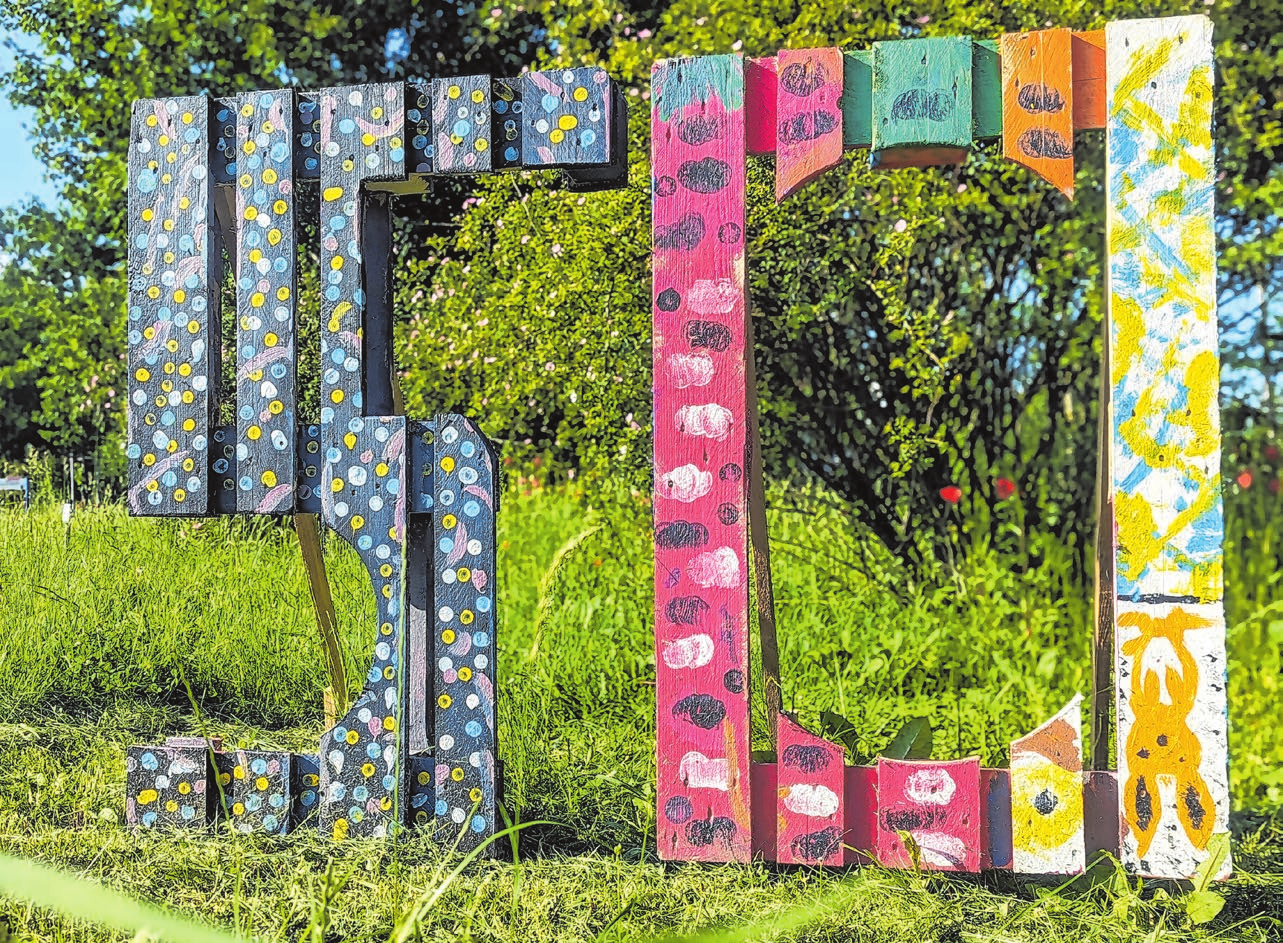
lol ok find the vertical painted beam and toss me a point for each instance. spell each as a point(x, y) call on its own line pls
point(810, 789)
point(995, 820)
point(701, 483)
point(1047, 796)
point(938, 805)
point(808, 136)
point(860, 807)
point(173, 307)
point(761, 84)
point(857, 98)
point(266, 298)
point(921, 102)
point(1037, 105)
point(464, 627)
point(986, 89)
point(461, 124)
point(1169, 620)
point(418, 127)
point(1087, 52)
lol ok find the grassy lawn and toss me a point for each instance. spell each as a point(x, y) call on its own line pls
point(106, 630)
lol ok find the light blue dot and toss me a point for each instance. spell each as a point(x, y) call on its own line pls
point(270, 822)
point(340, 733)
point(141, 241)
point(397, 154)
point(481, 639)
point(169, 479)
point(188, 812)
point(246, 412)
point(483, 603)
point(338, 790)
point(389, 781)
point(347, 126)
point(588, 137)
point(500, 107)
point(360, 793)
point(446, 545)
point(147, 181)
point(442, 808)
point(365, 542)
point(149, 818)
point(372, 751)
point(247, 483)
point(148, 761)
point(259, 766)
point(278, 152)
point(134, 450)
point(167, 418)
point(472, 729)
point(332, 293)
point(467, 449)
point(472, 509)
point(478, 824)
point(309, 797)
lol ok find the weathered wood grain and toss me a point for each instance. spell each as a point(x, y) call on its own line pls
point(761, 86)
point(810, 788)
point(995, 820)
point(461, 124)
point(174, 329)
point(257, 790)
point(1165, 451)
point(1087, 54)
point(938, 805)
point(857, 98)
point(1037, 105)
point(464, 628)
point(568, 116)
point(1047, 796)
point(701, 484)
point(764, 777)
point(986, 89)
point(921, 102)
point(266, 302)
point(861, 814)
point(808, 118)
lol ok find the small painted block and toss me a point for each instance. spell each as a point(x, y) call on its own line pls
point(505, 130)
point(169, 786)
point(986, 89)
point(808, 120)
point(1047, 796)
point(223, 133)
point(1087, 67)
point(309, 469)
point(995, 825)
point(762, 790)
point(809, 796)
point(760, 90)
point(857, 98)
point(422, 440)
point(922, 94)
point(257, 790)
point(938, 805)
point(305, 784)
point(568, 117)
point(861, 812)
point(418, 128)
point(595, 177)
point(1100, 813)
point(307, 147)
point(423, 797)
point(461, 124)
point(1037, 105)
point(222, 470)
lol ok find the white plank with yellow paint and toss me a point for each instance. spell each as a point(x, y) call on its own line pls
point(1047, 796)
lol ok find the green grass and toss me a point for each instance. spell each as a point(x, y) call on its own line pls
point(104, 630)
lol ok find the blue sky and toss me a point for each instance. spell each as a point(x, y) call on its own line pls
point(20, 175)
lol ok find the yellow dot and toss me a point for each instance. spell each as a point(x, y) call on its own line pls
point(251, 212)
point(333, 193)
point(448, 636)
point(193, 326)
point(456, 140)
point(353, 736)
point(273, 237)
point(187, 117)
point(171, 447)
point(180, 495)
point(246, 180)
point(376, 112)
point(166, 179)
point(257, 299)
point(149, 332)
point(254, 433)
point(180, 296)
point(163, 140)
point(465, 674)
point(455, 91)
point(238, 809)
point(188, 464)
point(386, 628)
point(424, 778)
point(581, 94)
point(336, 485)
point(147, 796)
point(385, 571)
point(389, 723)
point(153, 292)
point(457, 774)
point(169, 258)
point(444, 701)
point(466, 617)
point(270, 339)
point(153, 486)
point(333, 325)
point(282, 293)
point(279, 207)
point(167, 386)
point(151, 121)
point(256, 255)
point(247, 110)
point(149, 459)
point(385, 803)
point(188, 426)
point(224, 778)
point(269, 175)
point(336, 263)
point(567, 122)
point(148, 215)
point(556, 135)
point(357, 522)
point(367, 139)
point(171, 345)
point(268, 128)
point(381, 469)
point(184, 203)
point(142, 375)
point(169, 368)
point(184, 369)
point(336, 396)
point(463, 574)
point(171, 806)
point(478, 96)
point(261, 783)
point(475, 794)
point(269, 478)
point(447, 464)
point(340, 829)
point(389, 673)
point(188, 396)
point(480, 144)
point(449, 521)
point(249, 147)
point(275, 407)
point(367, 770)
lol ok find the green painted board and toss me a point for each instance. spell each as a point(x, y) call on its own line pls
point(986, 89)
point(857, 98)
point(922, 93)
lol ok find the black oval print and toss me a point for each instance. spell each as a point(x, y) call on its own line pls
point(804, 78)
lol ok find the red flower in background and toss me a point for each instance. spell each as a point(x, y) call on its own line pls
point(951, 493)
point(1272, 452)
point(1273, 486)
point(1244, 479)
point(1005, 488)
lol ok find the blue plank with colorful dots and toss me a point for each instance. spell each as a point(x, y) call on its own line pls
point(505, 129)
point(567, 117)
point(169, 786)
point(257, 790)
point(464, 589)
point(173, 307)
point(461, 124)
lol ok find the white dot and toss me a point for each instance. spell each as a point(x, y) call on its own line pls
point(354, 98)
point(447, 742)
point(445, 614)
point(448, 576)
point(475, 760)
point(458, 815)
point(472, 700)
point(474, 546)
point(481, 661)
point(445, 664)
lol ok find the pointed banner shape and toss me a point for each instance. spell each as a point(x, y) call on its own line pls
point(810, 786)
point(1047, 796)
point(808, 128)
point(1037, 105)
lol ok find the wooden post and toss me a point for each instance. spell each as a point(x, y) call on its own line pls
point(1165, 445)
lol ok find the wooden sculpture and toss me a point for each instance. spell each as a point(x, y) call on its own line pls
point(920, 102)
point(416, 499)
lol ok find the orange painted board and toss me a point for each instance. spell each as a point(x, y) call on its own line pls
point(1088, 66)
point(808, 117)
point(1037, 104)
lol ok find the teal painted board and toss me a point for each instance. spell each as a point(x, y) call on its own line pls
point(922, 93)
point(857, 98)
point(986, 89)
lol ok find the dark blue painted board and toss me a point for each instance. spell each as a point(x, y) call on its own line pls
point(418, 126)
point(169, 786)
point(305, 787)
point(567, 117)
point(461, 124)
point(256, 790)
point(505, 131)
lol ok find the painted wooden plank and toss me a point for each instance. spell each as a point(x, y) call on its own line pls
point(173, 307)
point(568, 116)
point(1100, 813)
point(305, 770)
point(266, 301)
point(1037, 105)
point(1047, 796)
point(257, 790)
point(857, 98)
point(808, 120)
point(169, 786)
point(308, 474)
point(764, 777)
point(505, 116)
point(307, 149)
point(1087, 55)
point(761, 86)
point(938, 805)
point(701, 486)
point(423, 796)
point(809, 796)
point(986, 89)
point(861, 814)
point(921, 102)
point(995, 820)
point(418, 128)
point(592, 177)
point(464, 625)
point(461, 124)
point(1169, 619)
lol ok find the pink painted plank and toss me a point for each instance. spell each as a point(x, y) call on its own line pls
point(809, 790)
point(701, 486)
point(995, 820)
point(764, 823)
point(938, 805)
point(760, 85)
point(861, 810)
point(808, 117)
